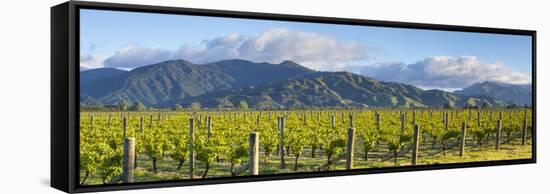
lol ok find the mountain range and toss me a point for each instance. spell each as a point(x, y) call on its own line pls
point(224, 83)
point(509, 93)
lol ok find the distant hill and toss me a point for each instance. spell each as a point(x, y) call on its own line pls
point(156, 83)
point(88, 101)
point(99, 74)
point(179, 79)
point(334, 89)
point(509, 93)
point(266, 85)
point(247, 73)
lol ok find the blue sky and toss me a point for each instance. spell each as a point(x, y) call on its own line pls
point(127, 40)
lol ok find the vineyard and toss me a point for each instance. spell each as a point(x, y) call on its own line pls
point(117, 147)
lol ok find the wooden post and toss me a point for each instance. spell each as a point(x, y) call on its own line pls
point(402, 123)
point(351, 120)
point(278, 151)
point(333, 121)
point(109, 121)
point(258, 119)
point(191, 154)
point(150, 121)
point(462, 139)
point(141, 124)
point(278, 122)
point(128, 160)
point(350, 147)
point(414, 158)
point(478, 119)
point(414, 118)
point(524, 131)
point(209, 126)
point(446, 121)
point(282, 141)
point(124, 127)
point(159, 117)
point(497, 144)
point(92, 122)
point(253, 153)
point(377, 120)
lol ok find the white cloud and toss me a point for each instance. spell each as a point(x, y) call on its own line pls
point(446, 72)
point(134, 55)
point(91, 61)
point(313, 50)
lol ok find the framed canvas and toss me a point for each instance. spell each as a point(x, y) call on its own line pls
point(150, 96)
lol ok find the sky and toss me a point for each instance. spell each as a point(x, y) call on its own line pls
point(428, 59)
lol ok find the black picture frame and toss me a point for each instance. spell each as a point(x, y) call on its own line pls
point(65, 87)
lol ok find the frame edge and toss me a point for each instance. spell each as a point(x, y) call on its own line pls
point(70, 61)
